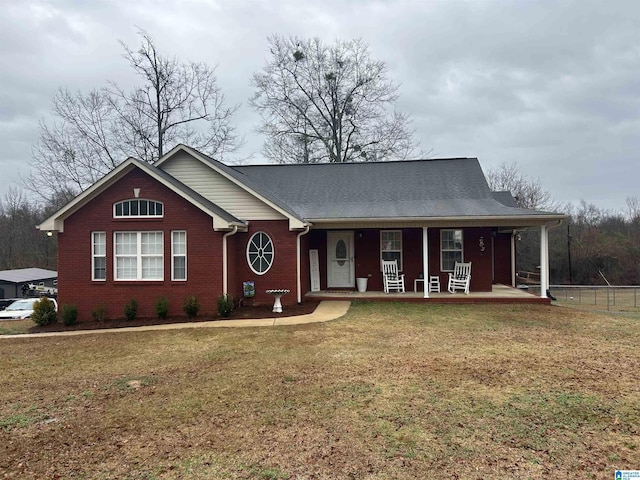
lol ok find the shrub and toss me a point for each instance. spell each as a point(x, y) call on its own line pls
point(191, 306)
point(99, 314)
point(131, 309)
point(162, 307)
point(44, 312)
point(225, 305)
point(69, 314)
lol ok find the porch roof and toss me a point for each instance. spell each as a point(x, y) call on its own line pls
point(434, 189)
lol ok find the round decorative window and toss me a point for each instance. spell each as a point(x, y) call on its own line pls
point(260, 253)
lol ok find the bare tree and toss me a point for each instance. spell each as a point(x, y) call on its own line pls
point(21, 245)
point(633, 209)
point(93, 133)
point(527, 192)
point(328, 103)
point(77, 149)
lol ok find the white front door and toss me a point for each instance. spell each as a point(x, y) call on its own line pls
point(340, 272)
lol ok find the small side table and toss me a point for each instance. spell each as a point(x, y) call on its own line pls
point(277, 294)
point(434, 284)
point(415, 284)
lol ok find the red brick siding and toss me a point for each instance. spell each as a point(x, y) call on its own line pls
point(204, 253)
point(502, 258)
point(317, 240)
point(282, 273)
point(367, 256)
point(305, 275)
point(481, 261)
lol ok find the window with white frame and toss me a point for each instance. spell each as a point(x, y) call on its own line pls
point(391, 246)
point(178, 255)
point(137, 208)
point(260, 253)
point(450, 249)
point(98, 255)
point(138, 256)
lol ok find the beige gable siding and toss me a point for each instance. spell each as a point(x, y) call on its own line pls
point(218, 189)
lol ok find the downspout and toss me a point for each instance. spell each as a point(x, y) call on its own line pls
point(225, 267)
point(298, 261)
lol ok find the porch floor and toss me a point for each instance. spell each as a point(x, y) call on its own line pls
point(498, 294)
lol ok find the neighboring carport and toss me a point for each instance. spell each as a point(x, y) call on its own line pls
point(11, 281)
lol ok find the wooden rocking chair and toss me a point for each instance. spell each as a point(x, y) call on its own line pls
point(391, 279)
point(460, 278)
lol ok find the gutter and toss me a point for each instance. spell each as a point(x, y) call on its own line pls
point(298, 266)
point(225, 267)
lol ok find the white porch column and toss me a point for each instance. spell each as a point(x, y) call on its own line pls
point(425, 261)
point(544, 261)
point(513, 258)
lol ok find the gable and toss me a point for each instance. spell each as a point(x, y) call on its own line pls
point(221, 220)
point(218, 189)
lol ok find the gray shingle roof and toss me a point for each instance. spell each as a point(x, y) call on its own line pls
point(26, 275)
point(408, 189)
point(254, 184)
point(505, 198)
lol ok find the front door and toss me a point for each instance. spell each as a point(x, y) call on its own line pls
point(340, 272)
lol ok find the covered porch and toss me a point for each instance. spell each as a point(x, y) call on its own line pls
point(343, 254)
point(499, 294)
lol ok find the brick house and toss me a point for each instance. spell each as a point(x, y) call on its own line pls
point(190, 225)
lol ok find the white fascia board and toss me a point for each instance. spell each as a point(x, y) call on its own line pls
point(294, 222)
point(523, 220)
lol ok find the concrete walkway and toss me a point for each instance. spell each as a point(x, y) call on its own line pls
point(325, 311)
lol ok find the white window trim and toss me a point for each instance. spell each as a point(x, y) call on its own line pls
point(442, 249)
point(138, 255)
point(137, 216)
point(95, 256)
point(175, 255)
point(401, 262)
point(273, 252)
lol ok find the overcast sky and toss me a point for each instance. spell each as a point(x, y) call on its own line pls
point(553, 86)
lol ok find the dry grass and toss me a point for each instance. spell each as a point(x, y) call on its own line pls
point(389, 391)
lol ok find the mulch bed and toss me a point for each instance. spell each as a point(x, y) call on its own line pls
point(243, 312)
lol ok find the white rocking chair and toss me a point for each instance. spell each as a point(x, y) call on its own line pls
point(391, 279)
point(460, 278)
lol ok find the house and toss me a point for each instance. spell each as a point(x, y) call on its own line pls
point(190, 225)
point(12, 282)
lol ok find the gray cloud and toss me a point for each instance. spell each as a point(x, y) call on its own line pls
point(553, 86)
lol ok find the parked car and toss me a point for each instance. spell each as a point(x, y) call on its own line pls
point(22, 308)
point(5, 302)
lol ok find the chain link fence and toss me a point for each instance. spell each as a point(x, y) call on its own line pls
point(598, 297)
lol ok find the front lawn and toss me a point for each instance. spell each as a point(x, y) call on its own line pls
point(388, 391)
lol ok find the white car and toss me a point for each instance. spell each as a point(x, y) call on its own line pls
point(22, 308)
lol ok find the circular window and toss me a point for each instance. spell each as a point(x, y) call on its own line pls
point(260, 253)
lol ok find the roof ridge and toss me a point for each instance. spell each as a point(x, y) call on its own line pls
point(379, 162)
